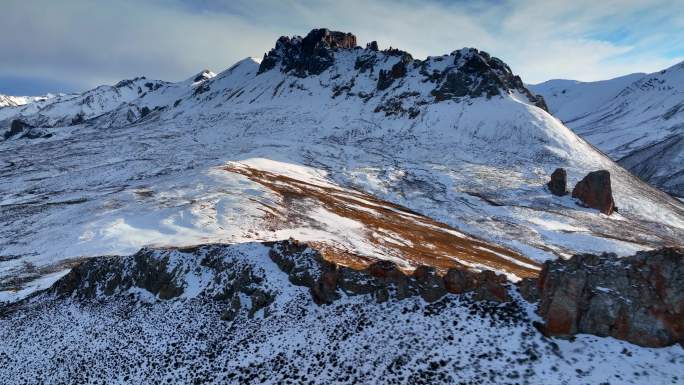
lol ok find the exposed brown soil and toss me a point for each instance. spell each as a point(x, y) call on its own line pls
point(398, 231)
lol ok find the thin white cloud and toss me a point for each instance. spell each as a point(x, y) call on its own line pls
point(88, 42)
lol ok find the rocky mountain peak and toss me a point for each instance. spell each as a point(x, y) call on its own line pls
point(465, 73)
point(311, 54)
point(476, 73)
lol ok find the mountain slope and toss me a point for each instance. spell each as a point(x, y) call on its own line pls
point(456, 139)
point(641, 127)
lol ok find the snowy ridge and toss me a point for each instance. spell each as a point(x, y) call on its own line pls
point(455, 138)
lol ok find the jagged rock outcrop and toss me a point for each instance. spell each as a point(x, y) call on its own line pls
point(398, 70)
point(594, 190)
point(486, 285)
point(469, 74)
point(476, 74)
point(169, 273)
point(21, 129)
point(312, 54)
point(639, 298)
point(166, 274)
point(558, 183)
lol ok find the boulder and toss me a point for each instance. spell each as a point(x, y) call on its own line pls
point(558, 183)
point(595, 191)
point(639, 298)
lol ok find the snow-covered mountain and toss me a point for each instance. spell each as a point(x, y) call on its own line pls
point(637, 119)
point(366, 155)
point(14, 101)
point(456, 138)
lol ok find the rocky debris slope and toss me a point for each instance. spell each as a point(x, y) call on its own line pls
point(639, 298)
point(595, 191)
point(244, 314)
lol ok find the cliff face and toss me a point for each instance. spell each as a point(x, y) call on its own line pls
point(639, 298)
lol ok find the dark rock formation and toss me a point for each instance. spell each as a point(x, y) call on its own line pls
point(475, 74)
point(154, 271)
point(485, 285)
point(312, 54)
point(639, 298)
point(164, 274)
point(430, 284)
point(398, 70)
point(382, 279)
point(21, 129)
point(595, 191)
point(558, 183)
point(16, 127)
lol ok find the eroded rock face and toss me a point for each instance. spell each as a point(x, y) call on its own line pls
point(639, 298)
point(219, 273)
point(167, 274)
point(475, 74)
point(558, 183)
point(595, 191)
point(485, 285)
point(312, 54)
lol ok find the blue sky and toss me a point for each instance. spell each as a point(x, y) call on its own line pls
point(70, 45)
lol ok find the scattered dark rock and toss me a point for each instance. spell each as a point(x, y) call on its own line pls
point(21, 129)
point(558, 183)
point(17, 127)
point(595, 191)
point(373, 45)
point(639, 298)
point(398, 70)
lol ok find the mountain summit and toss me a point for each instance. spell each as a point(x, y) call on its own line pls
point(465, 73)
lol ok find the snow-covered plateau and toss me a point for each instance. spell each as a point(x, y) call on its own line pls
point(364, 154)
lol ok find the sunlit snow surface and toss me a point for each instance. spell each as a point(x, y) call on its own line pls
point(124, 180)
